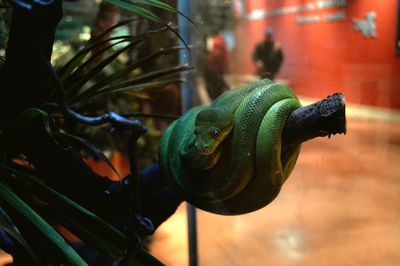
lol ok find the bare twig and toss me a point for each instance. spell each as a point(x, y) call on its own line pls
point(324, 118)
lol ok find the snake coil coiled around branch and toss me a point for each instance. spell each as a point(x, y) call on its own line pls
point(227, 157)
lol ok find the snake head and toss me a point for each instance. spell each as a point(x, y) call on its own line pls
point(212, 126)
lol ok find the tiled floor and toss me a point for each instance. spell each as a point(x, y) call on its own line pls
point(341, 206)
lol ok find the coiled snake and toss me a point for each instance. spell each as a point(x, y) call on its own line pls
point(227, 157)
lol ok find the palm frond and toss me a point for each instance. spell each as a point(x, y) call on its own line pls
point(76, 75)
point(123, 73)
point(147, 85)
point(86, 225)
point(91, 229)
point(9, 227)
point(143, 12)
point(7, 196)
point(99, 67)
point(164, 6)
point(76, 60)
point(132, 82)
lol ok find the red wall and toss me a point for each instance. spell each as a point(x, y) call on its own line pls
point(326, 57)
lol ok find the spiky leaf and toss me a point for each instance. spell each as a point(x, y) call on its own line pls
point(9, 197)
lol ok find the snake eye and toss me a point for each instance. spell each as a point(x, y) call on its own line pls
point(215, 133)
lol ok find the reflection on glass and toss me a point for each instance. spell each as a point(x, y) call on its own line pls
point(340, 205)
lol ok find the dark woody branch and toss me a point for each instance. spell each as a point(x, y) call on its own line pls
point(324, 118)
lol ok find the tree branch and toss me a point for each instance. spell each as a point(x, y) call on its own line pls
point(324, 118)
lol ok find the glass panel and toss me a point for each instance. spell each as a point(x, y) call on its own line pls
point(340, 204)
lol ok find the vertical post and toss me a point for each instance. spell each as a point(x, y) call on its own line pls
point(192, 234)
point(185, 56)
point(187, 103)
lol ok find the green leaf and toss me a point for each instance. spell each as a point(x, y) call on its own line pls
point(164, 6)
point(138, 80)
point(159, 74)
point(9, 197)
point(157, 4)
point(75, 61)
point(90, 228)
point(86, 225)
point(75, 76)
point(95, 55)
point(123, 73)
point(147, 85)
point(87, 232)
point(12, 231)
point(138, 87)
point(92, 238)
point(97, 41)
point(110, 29)
point(26, 116)
point(133, 7)
point(91, 148)
point(95, 70)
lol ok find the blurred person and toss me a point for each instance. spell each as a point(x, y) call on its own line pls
point(216, 67)
point(267, 56)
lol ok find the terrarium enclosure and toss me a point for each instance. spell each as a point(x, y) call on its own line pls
point(235, 132)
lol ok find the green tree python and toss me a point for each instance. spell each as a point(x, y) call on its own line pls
point(227, 157)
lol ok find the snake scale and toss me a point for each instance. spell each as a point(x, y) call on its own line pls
point(227, 157)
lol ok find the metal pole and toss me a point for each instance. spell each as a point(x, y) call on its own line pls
point(187, 103)
point(185, 56)
point(192, 234)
